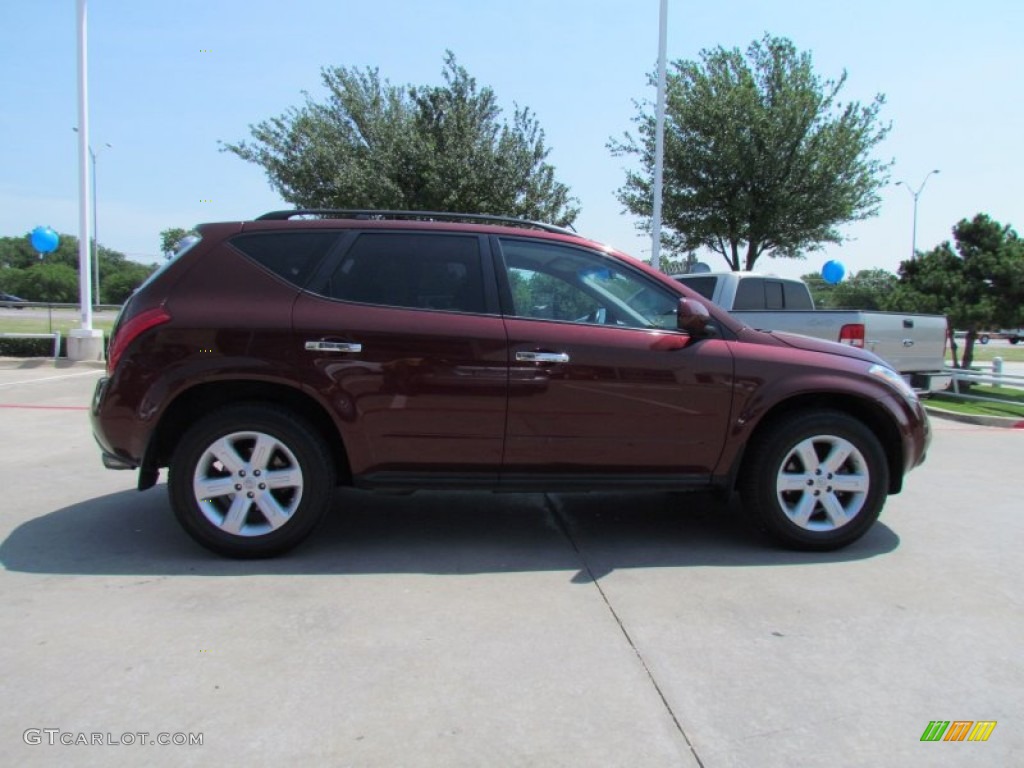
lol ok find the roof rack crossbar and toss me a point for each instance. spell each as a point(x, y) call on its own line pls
point(360, 213)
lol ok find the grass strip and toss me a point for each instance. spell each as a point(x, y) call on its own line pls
point(1011, 401)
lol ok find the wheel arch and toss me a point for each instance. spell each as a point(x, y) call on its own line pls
point(195, 402)
point(869, 412)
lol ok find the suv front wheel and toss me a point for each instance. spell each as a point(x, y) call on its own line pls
point(816, 481)
point(250, 481)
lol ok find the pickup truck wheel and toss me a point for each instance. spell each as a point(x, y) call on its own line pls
point(250, 481)
point(984, 338)
point(815, 481)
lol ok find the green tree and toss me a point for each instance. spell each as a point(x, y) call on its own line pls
point(977, 283)
point(760, 155)
point(433, 148)
point(49, 281)
point(868, 289)
point(55, 276)
point(18, 252)
point(170, 237)
point(120, 284)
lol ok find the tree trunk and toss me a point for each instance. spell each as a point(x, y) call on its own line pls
point(951, 335)
point(752, 253)
point(972, 334)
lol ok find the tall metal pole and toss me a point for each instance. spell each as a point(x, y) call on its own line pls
point(95, 226)
point(915, 195)
point(84, 272)
point(659, 138)
point(95, 231)
point(95, 212)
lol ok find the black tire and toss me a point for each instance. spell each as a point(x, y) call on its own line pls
point(293, 460)
point(793, 451)
point(984, 338)
point(1015, 340)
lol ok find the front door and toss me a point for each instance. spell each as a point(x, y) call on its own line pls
point(600, 379)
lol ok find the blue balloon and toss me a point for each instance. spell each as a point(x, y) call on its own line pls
point(833, 272)
point(45, 240)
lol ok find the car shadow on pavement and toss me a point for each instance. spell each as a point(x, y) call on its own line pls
point(587, 535)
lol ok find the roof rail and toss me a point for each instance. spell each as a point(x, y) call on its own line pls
point(358, 213)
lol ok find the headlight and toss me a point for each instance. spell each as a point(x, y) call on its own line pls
point(895, 381)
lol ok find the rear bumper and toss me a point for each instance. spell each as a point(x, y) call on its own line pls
point(111, 457)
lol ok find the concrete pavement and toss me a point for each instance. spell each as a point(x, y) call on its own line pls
point(516, 630)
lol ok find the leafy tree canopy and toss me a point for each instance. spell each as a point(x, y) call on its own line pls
point(977, 282)
point(436, 148)
point(761, 157)
point(54, 277)
point(170, 237)
point(868, 289)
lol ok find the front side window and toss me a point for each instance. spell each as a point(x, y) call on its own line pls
point(554, 282)
point(416, 271)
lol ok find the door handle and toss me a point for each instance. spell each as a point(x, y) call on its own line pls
point(333, 346)
point(542, 357)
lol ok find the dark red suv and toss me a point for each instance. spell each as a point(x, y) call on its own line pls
point(274, 359)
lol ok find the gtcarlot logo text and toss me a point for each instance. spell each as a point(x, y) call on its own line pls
point(55, 736)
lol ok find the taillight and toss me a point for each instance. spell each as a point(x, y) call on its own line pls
point(852, 334)
point(130, 331)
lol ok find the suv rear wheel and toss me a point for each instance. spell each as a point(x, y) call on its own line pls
point(250, 481)
point(815, 482)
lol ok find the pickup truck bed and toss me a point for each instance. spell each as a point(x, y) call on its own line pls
point(912, 344)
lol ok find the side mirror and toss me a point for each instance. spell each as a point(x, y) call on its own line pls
point(693, 318)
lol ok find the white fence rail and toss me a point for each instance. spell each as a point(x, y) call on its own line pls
point(996, 378)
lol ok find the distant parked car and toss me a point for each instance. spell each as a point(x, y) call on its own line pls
point(1012, 335)
point(10, 300)
point(984, 337)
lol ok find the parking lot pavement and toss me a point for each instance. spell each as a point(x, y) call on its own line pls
point(478, 629)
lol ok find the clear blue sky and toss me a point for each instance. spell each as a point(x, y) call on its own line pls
point(951, 72)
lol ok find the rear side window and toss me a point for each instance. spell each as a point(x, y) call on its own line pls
point(749, 294)
point(291, 255)
point(755, 293)
point(797, 296)
point(417, 271)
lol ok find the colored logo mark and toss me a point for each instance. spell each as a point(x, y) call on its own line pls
point(958, 730)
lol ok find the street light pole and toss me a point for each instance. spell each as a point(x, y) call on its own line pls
point(915, 195)
point(95, 229)
point(659, 139)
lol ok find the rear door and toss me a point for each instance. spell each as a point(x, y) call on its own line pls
point(402, 336)
point(603, 388)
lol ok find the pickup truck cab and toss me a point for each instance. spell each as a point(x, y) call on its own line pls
point(914, 345)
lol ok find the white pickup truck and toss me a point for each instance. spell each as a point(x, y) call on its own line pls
point(912, 344)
